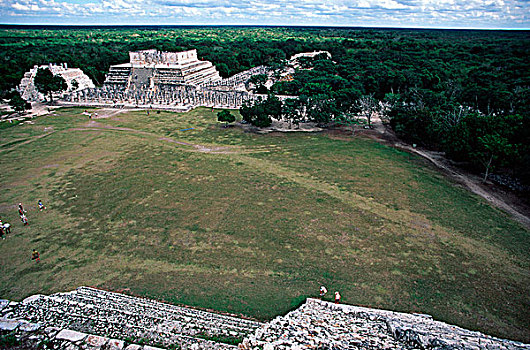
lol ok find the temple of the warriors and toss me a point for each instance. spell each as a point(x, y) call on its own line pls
point(168, 80)
point(27, 87)
point(148, 69)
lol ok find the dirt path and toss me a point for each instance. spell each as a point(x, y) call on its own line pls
point(474, 184)
point(383, 134)
point(21, 142)
point(109, 112)
point(94, 125)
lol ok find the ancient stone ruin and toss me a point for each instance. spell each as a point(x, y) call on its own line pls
point(167, 80)
point(155, 79)
point(125, 319)
point(27, 86)
point(295, 60)
point(88, 318)
point(148, 69)
point(172, 81)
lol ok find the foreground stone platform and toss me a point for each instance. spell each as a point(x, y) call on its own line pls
point(119, 316)
point(88, 318)
point(323, 325)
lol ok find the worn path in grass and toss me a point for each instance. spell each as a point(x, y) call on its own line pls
point(472, 185)
point(368, 205)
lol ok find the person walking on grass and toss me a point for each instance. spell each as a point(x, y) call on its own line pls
point(21, 210)
point(35, 256)
point(337, 297)
point(323, 292)
point(24, 219)
point(41, 206)
point(7, 228)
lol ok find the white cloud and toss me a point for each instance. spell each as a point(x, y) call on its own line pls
point(18, 6)
point(449, 13)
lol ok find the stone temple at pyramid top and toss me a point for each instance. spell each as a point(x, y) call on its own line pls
point(154, 57)
point(148, 69)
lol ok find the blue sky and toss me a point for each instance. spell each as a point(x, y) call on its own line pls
point(381, 13)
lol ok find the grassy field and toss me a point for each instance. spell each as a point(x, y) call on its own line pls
point(252, 224)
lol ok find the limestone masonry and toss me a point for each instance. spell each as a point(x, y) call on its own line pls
point(148, 69)
point(167, 80)
point(27, 87)
point(88, 318)
point(154, 79)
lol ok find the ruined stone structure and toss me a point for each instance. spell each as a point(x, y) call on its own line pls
point(88, 318)
point(152, 69)
point(121, 317)
point(27, 86)
point(238, 81)
point(294, 61)
point(323, 325)
point(173, 81)
point(166, 80)
point(173, 97)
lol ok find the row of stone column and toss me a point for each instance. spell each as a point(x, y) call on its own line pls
point(164, 95)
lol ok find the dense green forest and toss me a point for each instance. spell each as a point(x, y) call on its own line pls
point(462, 92)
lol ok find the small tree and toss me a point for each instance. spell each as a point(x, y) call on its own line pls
point(368, 106)
point(493, 151)
point(347, 119)
point(293, 111)
point(226, 116)
point(261, 112)
point(259, 80)
point(46, 82)
point(75, 85)
point(18, 103)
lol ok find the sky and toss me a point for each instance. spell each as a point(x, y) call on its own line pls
point(486, 14)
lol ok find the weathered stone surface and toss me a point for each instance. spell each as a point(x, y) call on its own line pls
point(133, 347)
point(319, 324)
point(29, 327)
point(70, 335)
point(32, 298)
point(9, 325)
point(96, 341)
point(3, 303)
point(118, 316)
point(89, 319)
point(115, 344)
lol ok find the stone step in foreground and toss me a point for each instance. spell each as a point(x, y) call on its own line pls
point(323, 325)
point(88, 318)
point(149, 308)
point(24, 335)
point(119, 316)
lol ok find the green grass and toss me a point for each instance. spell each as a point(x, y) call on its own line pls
point(255, 226)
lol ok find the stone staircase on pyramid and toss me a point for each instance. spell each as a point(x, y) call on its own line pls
point(141, 78)
point(119, 316)
point(89, 318)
